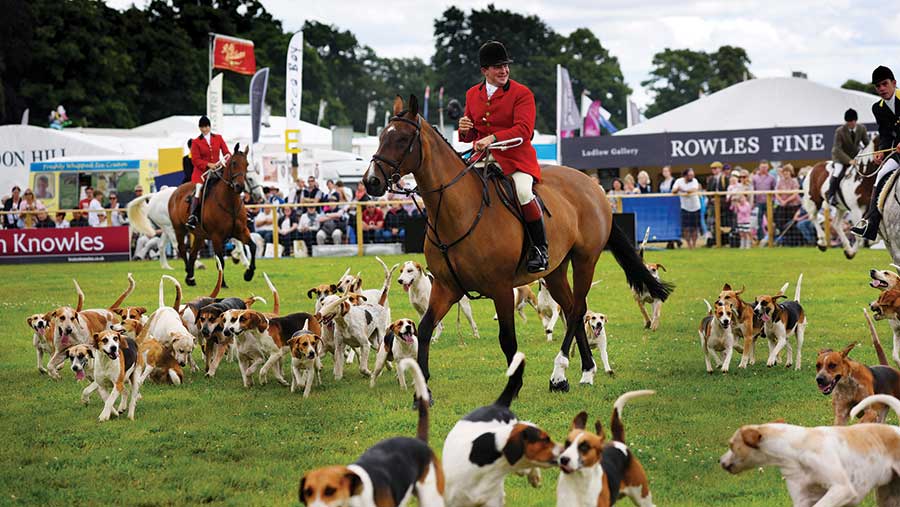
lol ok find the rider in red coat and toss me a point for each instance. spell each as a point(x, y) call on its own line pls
point(499, 109)
point(206, 150)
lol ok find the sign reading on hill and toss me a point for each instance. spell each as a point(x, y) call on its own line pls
point(78, 244)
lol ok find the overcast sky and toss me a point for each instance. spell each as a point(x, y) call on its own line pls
point(830, 40)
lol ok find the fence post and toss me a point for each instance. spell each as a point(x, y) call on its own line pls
point(717, 205)
point(275, 243)
point(359, 230)
point(770, 218)
point(827, 210)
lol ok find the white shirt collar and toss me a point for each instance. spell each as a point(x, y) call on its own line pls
point(892, 104)
point(490, 89)
point(208, 138)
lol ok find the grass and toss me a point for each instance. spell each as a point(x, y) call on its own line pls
point(213, 442)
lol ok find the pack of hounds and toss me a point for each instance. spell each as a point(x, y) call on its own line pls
point(116, 349)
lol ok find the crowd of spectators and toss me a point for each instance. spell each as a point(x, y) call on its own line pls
point(24, 210)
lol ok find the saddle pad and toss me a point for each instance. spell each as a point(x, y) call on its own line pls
point(886, 191)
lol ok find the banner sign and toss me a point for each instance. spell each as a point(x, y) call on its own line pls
point(231, 53)
point(214, 109)
point(293, 89)
point(86, 165)
point(77, 244)
point(257, 99)
point(678, 148)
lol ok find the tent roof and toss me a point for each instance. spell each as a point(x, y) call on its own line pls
point(762, 103)
point(236, 128)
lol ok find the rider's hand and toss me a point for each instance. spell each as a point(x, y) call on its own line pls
point(484, 142)
point(877, 157)
point(210, 165)
point(465, 123)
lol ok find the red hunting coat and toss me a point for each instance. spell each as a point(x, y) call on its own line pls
point(508, 114)
point(203, 153)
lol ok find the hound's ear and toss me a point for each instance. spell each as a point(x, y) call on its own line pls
point(119, 311)
point(824, 351)
point(598, 429)
point(415, 329)
point(780, 420)
point(123, 342)
point(514, 448)
point(334, 288)
point(300, 490)
point(262, 323)
point(660, 266)
point(398, 105)
point(140, 310)
point(580, 421)
point(310, 292)
point(776, 297)
point(413, 105)
point(292, 340)
point(29, 319)
point(356, 485)
point(587, 318)
point(751, 437)
point(726, 287)
point(848, 348)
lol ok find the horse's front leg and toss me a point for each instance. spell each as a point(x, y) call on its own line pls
point(442, 298)
point(218, 245)
point(189, 262)
point(251, 245)
point(504, 304)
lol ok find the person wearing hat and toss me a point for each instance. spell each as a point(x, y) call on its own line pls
point(500, 109)
point(887, 115)
point(849, 138)
point(206, 150)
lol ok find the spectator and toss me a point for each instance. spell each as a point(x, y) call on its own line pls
point(60, 220)
point(43, 221)
point(628, 183)
point(117, 217)
point(616, 190)
point(147, 244)
point(726, 170)
point(665, 186)
point(361, 194)
point(332, 225)
point(312, 193)
point(308, 227)
point(95, 218)
point(297, 192)
point(803, 224)
point(742, 210)
point(138, 191)
point(395, 224)
point(288, 230)
point(263, 225)
point(762, 181)
point(78, 220)
point(373, 222)
point(716, 182)
point(11, 221)
point(330, 190)
point(787, 204)
point(42, 187)
point(187, 165)
point(29, 204)
point(88, 197)
point(644, 185)
point(687, 187)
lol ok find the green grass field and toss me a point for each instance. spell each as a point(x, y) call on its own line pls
point(211, 441)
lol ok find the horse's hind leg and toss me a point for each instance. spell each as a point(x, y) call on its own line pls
point(582, 274)
point(189, 263)
point(218, 245)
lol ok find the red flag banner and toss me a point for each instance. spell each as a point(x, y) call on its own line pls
point(233, 54)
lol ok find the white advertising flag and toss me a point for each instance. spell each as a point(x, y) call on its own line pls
point(214, 109)
point(293, 88)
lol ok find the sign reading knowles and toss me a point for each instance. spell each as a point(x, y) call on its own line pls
point(800, 143)
point(64, 245)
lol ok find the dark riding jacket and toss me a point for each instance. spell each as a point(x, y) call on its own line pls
point(847, 143)
point(888, 122)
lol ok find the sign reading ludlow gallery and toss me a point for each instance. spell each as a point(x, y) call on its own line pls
point(678, 148)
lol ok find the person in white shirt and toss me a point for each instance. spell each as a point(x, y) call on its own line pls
point(96, 219)
point(60, 219)
point(117, 217)
point(686, 187)
point(309, 227)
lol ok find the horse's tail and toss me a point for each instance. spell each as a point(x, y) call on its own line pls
point(639, 277)
point(137, 215)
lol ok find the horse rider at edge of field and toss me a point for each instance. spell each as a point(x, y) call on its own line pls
point(206, 150)
point(848, 139)
point(887, 115)
point(499, 109)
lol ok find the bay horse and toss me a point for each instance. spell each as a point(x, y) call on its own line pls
point(484, 240)
point(853, 196)
point(223, 214)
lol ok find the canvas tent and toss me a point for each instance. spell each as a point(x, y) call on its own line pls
point(771, 118)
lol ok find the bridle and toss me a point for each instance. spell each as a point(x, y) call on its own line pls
point(395, 166)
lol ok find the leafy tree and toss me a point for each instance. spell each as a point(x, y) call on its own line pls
point(729, 65)
point(852, 84)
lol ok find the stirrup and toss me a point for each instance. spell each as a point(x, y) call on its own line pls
point(191, 222)
point(860, 228)
point(536, 261)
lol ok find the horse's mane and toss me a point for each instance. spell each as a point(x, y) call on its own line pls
point(438, 132)
point(868, 152)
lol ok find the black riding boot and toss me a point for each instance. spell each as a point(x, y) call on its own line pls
point(868, 227)
point(831, 194)
point(193, 219)
point(537, 255)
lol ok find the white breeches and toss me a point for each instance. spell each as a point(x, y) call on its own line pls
point(197, 188)
point(835, 169)
point(886, 169)
point(523, 183)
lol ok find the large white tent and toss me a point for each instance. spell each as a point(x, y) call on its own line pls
point(773, 102)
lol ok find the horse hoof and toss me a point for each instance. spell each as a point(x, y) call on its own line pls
point(821, 248)
point(190, 281)
point(248, 275)
point(559, 387)
point(224, 284)
point(849, 255)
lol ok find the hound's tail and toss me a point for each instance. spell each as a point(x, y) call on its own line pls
point(80, 305)
point(125, 294)
point(276, 301)
point(637, 274)
point(423, 397)
point(220, 277)
point(175, 304)
point(708, 307)
point(386, 286)
point(876, 343)
point(884, 399)
point(616, 426)
point(253, 299)
point(515, 372)
point(137, 215)
point(797, 290)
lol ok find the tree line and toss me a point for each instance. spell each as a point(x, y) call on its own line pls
point(121, 69)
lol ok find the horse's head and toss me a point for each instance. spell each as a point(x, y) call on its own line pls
point(866, 158)
point(399, 148)
point(239, 177)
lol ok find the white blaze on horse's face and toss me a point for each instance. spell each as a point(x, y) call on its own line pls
point(255, 188)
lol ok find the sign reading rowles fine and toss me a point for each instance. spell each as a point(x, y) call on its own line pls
point(800, 143)
point(76, 244)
